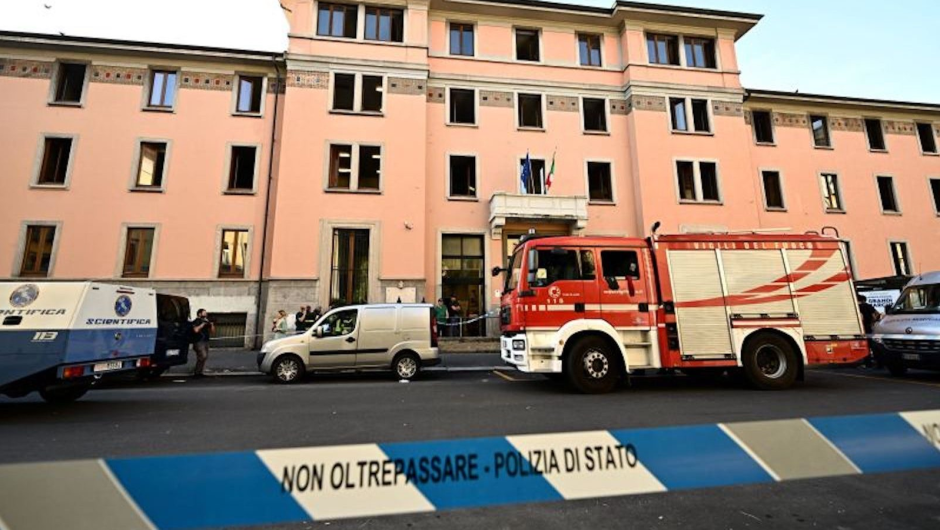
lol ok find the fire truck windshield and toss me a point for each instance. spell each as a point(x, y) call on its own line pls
point(515, 270)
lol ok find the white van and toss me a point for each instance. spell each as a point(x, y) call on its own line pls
point(908, 336)
point(400, 337)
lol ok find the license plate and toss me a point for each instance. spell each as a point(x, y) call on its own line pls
point(910, 357)
point(108, 366)
point(172, 353)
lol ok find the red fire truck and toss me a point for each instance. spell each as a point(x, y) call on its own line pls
point(593, 309)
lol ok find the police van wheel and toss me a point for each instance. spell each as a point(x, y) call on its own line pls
point(287, 369)
point(406, 366)
point(770, 362)
point(63, 394)
point(592, 367)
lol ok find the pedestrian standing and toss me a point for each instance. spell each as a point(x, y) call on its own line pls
point(279, 326)
point(440, 315)
point(453, 316)
point(202, 330)
point(300, 320)
point(870, 315)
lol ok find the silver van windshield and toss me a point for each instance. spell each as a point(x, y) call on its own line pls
point(919, 299)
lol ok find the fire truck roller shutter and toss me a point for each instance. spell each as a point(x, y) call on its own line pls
point(826, 301)
point(757, 283)
point(704, 329)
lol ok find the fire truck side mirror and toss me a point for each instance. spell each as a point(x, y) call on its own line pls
point(497, 271)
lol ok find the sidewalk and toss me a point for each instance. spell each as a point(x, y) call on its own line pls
point(237, 362)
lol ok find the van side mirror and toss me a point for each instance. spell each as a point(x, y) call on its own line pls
point(319, 332)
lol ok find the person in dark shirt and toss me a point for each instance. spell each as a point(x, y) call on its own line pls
point(300, 320)
point(453, 317)
point(202, 329)
point(870, 315)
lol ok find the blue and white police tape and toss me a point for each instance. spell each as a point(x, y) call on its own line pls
point(321, 483)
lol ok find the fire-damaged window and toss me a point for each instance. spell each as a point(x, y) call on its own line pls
point(697, 181)
point(527, 44)
point(928, 142)
point(763, 125)
point(462, 106)
point(530, 111)
point(242, 167)
point(595, 114)
point(70, 83)
point(876, 135)
point(369, 87)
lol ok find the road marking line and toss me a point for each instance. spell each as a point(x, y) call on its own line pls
point(885, 379)
point(506, 377)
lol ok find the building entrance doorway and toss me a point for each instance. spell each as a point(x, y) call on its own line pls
point(462, 276)
point(349, 275)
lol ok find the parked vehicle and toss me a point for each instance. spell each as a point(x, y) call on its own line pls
point(593, 309)
point(59, 338)
point(908, 336)
point(400, 337)
point(173, 335)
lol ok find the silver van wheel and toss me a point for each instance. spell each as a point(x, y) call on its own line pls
point(406, 366)
point(287, 369)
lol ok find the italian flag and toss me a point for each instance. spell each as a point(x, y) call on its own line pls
point(551, 173)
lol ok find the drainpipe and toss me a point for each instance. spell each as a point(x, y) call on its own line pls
point(267, 203)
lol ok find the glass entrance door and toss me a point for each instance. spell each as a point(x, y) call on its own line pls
point(462, 277)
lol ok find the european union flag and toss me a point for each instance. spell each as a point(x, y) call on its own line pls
point(526, 173)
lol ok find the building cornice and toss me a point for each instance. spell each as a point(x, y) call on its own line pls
point(796, 98)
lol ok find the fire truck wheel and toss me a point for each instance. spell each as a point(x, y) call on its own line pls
point(770, 363)
point(592, 367)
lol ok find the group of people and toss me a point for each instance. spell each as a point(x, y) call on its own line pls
point(448, 316)
point(303, 320)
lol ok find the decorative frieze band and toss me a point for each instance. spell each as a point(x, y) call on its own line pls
point(277, 88)
point(491, 98)
point(846, 124)
point(728, 108)
point(655, 103)
point(620, 107)
point(118, 75)
point(408, 87)
point(435, 94)
point(562, 103)
point(207, 81)
point(905, 128)
point(26, 69)
point(304, 79)
point(789, 119)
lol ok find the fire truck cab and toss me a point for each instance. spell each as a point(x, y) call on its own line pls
point(593, 309)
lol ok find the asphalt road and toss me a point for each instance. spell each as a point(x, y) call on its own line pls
point(182, 415)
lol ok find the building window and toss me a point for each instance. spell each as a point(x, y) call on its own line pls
point(773, 190)
point(889, 201)
point(589, 49)
point(346, 86)
point(595, 114)
point(162, 89)
point(700, 53)
point(901, 259)
point(56, 156)
point(349, 280)
point(241, 172)
point(463, 108)
point(70, 83)
point(600, 183)
point(337, 20)
point(935, 191)
point(700, 116)
point(233, 253)
point(355, 168)
point(137, 252)
point(463, 176)
point(876, 136)
point(530, 111)
point(697, 181)
point(663, 49)
point(677, 113)
point(37, 251)
point(820, 127)
point(535, 184)
point(461, 39)
point(527, 44)
point(928, 142)
point(763, 124)
point(385, 24)
point(832, 197)
point(250, 91)
point(152, 165)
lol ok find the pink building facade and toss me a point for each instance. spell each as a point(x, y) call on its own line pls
point(380, 157)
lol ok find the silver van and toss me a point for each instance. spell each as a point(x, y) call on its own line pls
point(908, 336)
point(400, 337)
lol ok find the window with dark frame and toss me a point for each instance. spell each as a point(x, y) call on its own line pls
point(162, 89)
point(832, 198)
point(337, 20)
point(241, 173)
point(527, 44)
point(600, 185)
point(685, 172)
point(901, 259)
point(344, 92)
point(700, 119)
point(595, 114)
point(773, 190)
point(370, 167)
point(249, 94)
point(56, 153)
point(349, 271)
point(462, 106)
point(530, 111)
point(699, 52)
point(708, 174)
point(340, 167)
point(928, 141)
point(384, 24)
point(70, 83)
point(232, 254)
point(371, 93)
point(762, 122)
point(820, 127)
point(876, 135)
point(37, 251)
point(152, 165)
point(463, 176)
point(889, 201)
point(138, 249)
point(663, 49)
point(461, 39)
point(677, 114)
point(589, 49)
point(697, 181)
point(935, 191)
